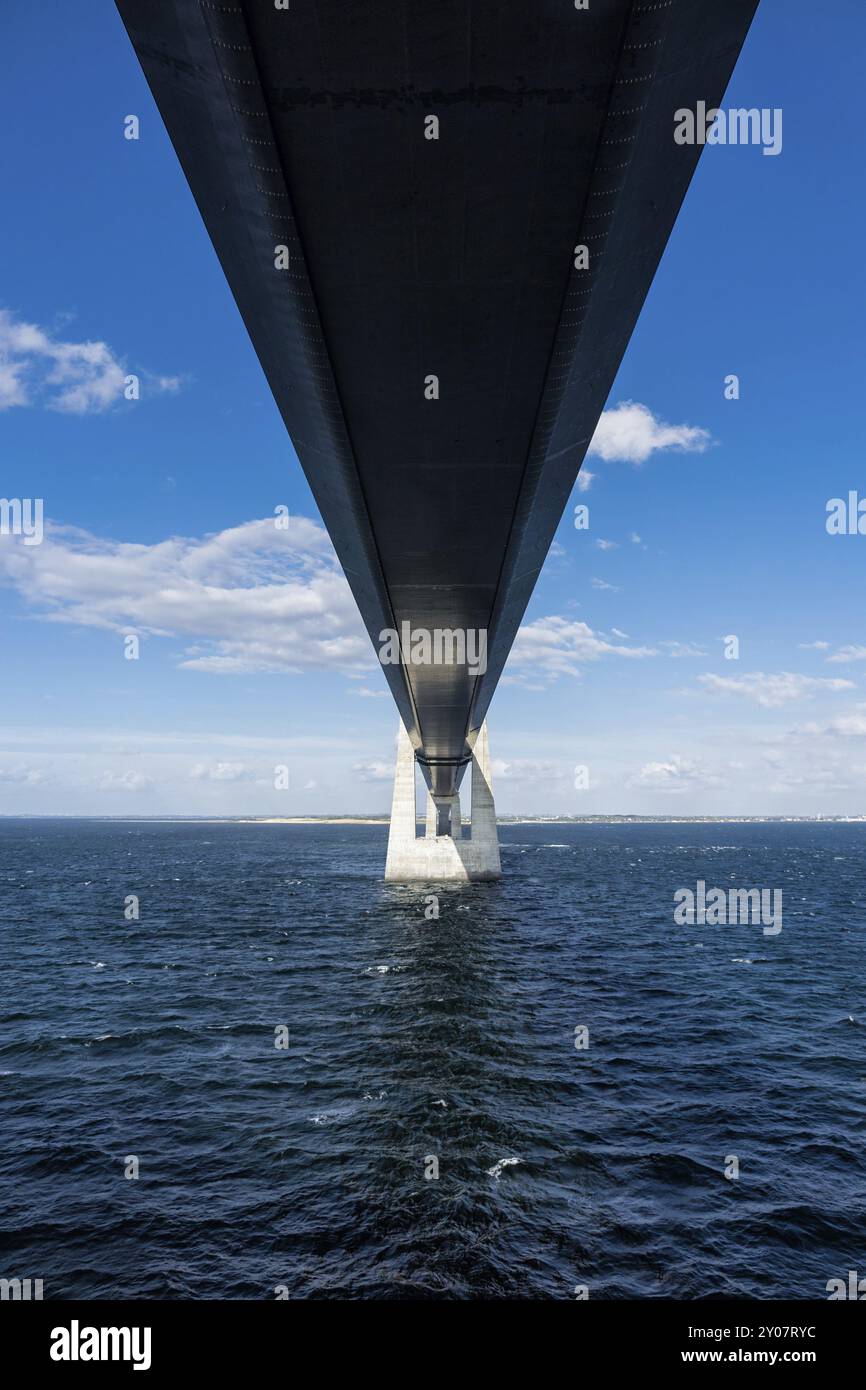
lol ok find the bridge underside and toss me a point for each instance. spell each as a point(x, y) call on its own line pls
point(412, 257)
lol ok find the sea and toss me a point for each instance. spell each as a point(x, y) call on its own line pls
point(235, 1064)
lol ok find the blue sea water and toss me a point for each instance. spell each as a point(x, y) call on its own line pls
point(413, 1039)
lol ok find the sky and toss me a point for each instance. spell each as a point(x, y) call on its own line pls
point(707, 515)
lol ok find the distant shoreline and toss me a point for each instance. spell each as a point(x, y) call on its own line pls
point(568, 820)
point(500, 820)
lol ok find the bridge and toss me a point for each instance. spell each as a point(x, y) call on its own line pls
point(439, 220)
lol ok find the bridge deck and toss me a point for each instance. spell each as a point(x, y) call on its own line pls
point(412, 257)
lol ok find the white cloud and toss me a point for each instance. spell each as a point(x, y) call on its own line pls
point(679, 649)
point(26, 776)
point(525, 770)
point(374, 771)
point(551, 647)
point(523, 682)
point(219, 772)
point(813, 646)
point(676, 775)
point(772, 691)
point(852, 724)
point(607, 545)
point(630, 433)
point(367, 694)
point(584, 479)
point(847, 654)
point(124, 782)
point(251, 598)
point(603, 584)
point(99, 770)
point(37, 368)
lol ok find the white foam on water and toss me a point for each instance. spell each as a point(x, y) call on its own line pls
point(496, 1170)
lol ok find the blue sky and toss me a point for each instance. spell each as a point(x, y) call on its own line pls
point(158, 507)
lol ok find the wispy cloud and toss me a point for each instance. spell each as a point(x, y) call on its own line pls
point(526, 770)
point(251, 598)
point(551, 647)
point(847, 654)
point(26, 776)
point(679, 649)
point(77, 378)
point(770, 691)
point(851, 724)
point(220, 772)
point(676, 774)
point(374, 771)
point(125, 782)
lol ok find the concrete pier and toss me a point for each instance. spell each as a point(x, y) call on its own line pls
point(442, 853)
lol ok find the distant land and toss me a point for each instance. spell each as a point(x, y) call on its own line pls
point(562, 820)
point(382, 819)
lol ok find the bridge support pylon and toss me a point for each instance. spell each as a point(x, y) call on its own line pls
point(442, 853)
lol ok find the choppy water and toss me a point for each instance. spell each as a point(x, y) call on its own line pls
point(413, 1038)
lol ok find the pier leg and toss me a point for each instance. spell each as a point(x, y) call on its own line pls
point(484, 842)
point(401, 837)
point(441, 856)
